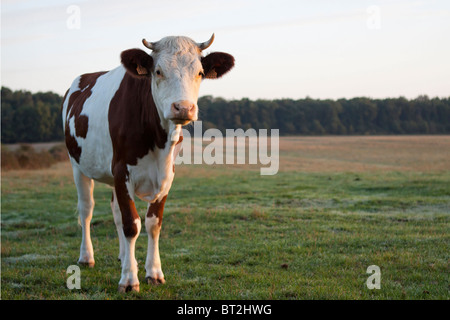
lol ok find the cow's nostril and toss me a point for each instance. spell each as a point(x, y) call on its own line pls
point(176, 106)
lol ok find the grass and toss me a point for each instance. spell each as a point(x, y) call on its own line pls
point(233, 234)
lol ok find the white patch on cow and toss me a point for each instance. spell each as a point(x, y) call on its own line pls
point(97, 148)
point(129, 264)
point(175, 136)
point(72, 127)
point(150, 222)
point(137, 222)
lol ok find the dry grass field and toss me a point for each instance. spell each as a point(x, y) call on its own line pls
point(351, 154)
point(365, 153)
point(336, 154)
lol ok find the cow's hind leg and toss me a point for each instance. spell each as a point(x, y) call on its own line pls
point(119, 226)
point(85, 189)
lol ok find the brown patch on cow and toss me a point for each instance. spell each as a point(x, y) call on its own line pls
point(156, 209)
point(71, 142)
point(74, 109)
point(81, 126)
point(134, 123)
point(72, 145)
point(126, 204)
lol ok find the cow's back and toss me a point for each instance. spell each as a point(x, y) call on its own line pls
point(85, 121)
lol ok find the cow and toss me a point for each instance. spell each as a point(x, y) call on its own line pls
point(124, 128)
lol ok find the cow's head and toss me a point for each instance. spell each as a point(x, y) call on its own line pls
point(176, 68)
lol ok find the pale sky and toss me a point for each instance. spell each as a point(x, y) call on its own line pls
point(283, 48)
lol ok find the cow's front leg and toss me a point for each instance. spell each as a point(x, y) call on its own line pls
point(153, 221)
point(131, 227)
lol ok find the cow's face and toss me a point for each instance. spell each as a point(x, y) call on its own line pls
point(176, 68)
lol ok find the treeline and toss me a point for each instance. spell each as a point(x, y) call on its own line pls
point(31, 117)
point(357, 116)
point(28, 117)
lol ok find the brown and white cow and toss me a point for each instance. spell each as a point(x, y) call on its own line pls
point(123, 128)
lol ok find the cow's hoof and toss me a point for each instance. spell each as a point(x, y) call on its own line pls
point(154, 281)
point(90, 264)
point(128, 288)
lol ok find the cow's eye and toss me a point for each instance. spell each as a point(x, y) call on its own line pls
point(201, 74)
point(159, 73)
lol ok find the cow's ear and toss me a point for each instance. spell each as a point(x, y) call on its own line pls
point(137, 62)
point(216, 64)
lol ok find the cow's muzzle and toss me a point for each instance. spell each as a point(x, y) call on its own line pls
point(183, 112)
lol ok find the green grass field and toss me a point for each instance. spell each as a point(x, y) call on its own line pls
point(337, 206)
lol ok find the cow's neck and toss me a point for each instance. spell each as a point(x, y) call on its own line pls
point(159, 165)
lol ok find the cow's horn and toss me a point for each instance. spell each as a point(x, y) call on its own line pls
point(206, 44)
point(149, 45)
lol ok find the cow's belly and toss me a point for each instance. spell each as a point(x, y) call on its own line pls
point(152, 190)
point(97, 168)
